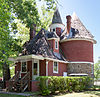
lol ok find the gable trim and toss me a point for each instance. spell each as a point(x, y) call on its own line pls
point(56, 60)
point(85, 39)
point(53, 39)
point(82, 62)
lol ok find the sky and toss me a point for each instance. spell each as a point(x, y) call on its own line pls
point(89, 13)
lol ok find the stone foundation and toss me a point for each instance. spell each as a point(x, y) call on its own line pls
point(80, 68)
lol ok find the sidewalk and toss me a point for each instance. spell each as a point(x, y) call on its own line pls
point(23, 94)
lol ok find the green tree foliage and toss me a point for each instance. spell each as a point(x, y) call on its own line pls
point(46, 17)
point(97, 70)
point(27, 12)
point(8, 45)
point(22, 33)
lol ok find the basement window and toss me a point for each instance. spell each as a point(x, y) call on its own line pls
point(55, 67)
point(23, 67)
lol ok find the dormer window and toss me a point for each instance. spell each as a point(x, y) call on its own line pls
point(53, 30)
point(56, 44)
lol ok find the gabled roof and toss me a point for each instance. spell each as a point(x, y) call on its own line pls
point(78, 26)
point(56, 17)
point(39, 46)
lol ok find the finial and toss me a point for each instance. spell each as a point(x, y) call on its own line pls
point(74, 16)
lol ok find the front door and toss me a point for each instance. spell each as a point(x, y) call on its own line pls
point(35, 69)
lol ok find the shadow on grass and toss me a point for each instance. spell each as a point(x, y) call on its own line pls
point(97, 92)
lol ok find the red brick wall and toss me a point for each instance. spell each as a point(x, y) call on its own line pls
point(29, 68)
point(34, 86)
point(58, 31)
point(42, 68)
point(78, 50)
point(52, 44)
point(18, 67)
point(62, 67)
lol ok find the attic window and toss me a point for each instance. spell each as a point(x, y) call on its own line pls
point(56, 44)
point(23, 67)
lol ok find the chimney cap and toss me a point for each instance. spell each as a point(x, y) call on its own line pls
point(68, 17)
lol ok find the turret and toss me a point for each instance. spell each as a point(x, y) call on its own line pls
point(57, 25)
point(77, 46)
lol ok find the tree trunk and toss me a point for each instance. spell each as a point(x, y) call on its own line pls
point(6, 74)
point(32, 31)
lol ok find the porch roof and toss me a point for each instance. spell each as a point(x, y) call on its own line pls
point(39, 57)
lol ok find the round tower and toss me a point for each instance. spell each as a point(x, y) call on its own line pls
point(77, 46)
point(57, 25)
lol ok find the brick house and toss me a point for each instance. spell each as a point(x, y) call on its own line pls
point(61, 51)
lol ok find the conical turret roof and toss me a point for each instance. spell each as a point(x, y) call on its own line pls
point(56, 17)
point(78, 25)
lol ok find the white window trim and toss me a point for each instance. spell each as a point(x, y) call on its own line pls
point(21, 66)
point(35, 61)
point(55, 44)
point(57, 67)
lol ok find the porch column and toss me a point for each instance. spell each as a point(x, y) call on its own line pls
point(46, 68)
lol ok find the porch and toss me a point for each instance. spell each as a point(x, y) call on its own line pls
point(27, 69)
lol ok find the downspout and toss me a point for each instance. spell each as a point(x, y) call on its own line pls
point(46, 68)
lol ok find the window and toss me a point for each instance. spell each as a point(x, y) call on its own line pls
point(23, 67)
point(35, 69)
point(55, 67)
point(56, 44)
point(53, 30)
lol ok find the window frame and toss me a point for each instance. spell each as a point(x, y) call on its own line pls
point(53, 67)
point(56, 41)
point(21, 66)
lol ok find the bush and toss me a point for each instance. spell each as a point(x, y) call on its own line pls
point(52, 84)
point(43, 85)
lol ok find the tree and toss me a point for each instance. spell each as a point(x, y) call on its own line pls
point(27, 12)
point(24, 10)
point(97, 70)
point(8, 45)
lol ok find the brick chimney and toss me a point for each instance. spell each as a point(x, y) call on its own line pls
point(32, 31)
point(68, 23)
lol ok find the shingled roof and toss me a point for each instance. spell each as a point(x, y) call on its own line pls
point(56, 17)
point(39, 46)
point(77, 30)
point(80, 28)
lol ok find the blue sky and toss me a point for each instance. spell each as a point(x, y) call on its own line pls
point(89, 13)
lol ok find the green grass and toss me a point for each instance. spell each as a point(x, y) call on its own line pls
point(10, 95)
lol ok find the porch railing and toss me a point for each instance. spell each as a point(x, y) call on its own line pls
point(13, 80)
point(25, 82)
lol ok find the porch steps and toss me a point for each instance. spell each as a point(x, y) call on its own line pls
point(19, 85)
point(25, 88)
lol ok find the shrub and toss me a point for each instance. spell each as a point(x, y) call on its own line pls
point(52, 84)
point(43, 85)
